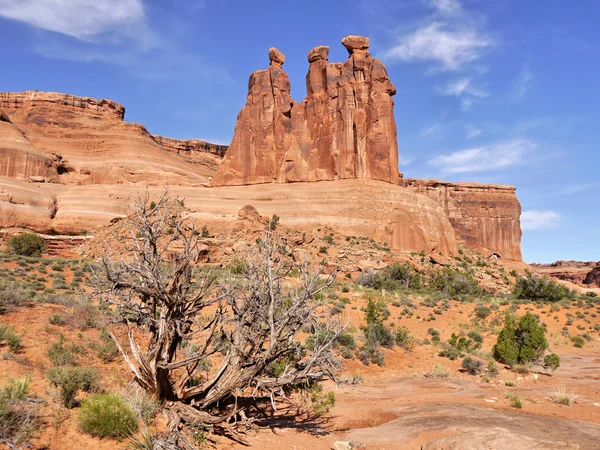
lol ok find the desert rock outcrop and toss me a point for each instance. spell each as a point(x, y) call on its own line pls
point(343, 129)
point(79, 140)
point(485, 217)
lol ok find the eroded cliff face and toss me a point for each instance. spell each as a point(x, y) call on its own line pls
point(486, 218)
point(343, 129)
point(66, 139)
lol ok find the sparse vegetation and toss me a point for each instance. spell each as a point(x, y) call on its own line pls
point(563, 396)
point(70, 380)
point(107, 416)
point(26, 244)
point(19, 414)
point(534, 287)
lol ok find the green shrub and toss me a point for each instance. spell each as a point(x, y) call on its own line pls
point(19, 416)
point(376, 332)
point(274, 222)
point(10, 338)
point(321, 402)
point(438, 372)
point(26, 244)
point(521, 342)
point(71, 380)
point(482, 311)
point(552, 361)
point(62, 354)
point(577, 341)
point(471, 365)
point(106, 349)
point(534, 287)
point(514, 401)
point(455, 283)
point(368, 354)
point(393, 277)
point(404, 339)
point(107, 416)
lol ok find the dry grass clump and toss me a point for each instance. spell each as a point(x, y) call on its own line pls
point(563, 396)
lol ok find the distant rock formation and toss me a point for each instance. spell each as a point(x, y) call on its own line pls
point(485, 217)
point(582, 273)
point(343, 129)
point(62, 138)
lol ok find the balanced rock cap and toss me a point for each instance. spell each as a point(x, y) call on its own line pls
point(355, 43)
point(276, 56)
point(317, 53)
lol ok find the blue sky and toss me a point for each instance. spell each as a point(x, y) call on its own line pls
point(498, 91)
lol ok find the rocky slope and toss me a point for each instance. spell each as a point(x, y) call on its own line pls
point(343, 129)
point(78, 140)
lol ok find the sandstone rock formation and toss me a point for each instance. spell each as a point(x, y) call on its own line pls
point(79, 140)
point(486, 218)
point(581, 273)
point(343, 129)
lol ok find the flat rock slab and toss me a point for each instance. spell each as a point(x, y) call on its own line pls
point(478, 427)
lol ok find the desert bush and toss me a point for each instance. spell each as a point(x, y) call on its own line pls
point(591, 294)
point(534, 287)
point(14, 293)
point(457, 346)
point(70, 380)
point(482, 311)
point(521, 342)
point(144, 406)
point(492, 368)
point(393, 277)
point(26, 244)
point(563, 397)
point(375, 330)
point(404, 339)
point(105, 348)
point(321, 402)
point(514, 401)
point(62, 354)
point(454, 283)
point(438, 372)
point(19, 415)
point(370, 354)
point(471, 365)
point(552, 361)
point(107, 416)
point(10, 338)
point(577, 341)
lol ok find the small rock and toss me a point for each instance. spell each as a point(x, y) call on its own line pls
point(438, 259)
point(346, 445)
point(276, 56)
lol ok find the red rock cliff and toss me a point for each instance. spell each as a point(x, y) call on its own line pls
point(343, 129)
point(485, 217)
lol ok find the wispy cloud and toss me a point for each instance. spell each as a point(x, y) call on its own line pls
point(539, 220)
point(461, 87)
point(472, 132)
point(485, 158)
point(578, 188)
point(81, 19)
point(447, 6)
point(521, 85)
point(433, 130)
point(450, 45)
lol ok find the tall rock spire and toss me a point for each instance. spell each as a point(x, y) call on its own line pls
point(344, 128)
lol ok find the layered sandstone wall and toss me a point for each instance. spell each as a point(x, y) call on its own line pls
point(79, 140)
point(189, 147)
point(343, 129)
point(10, 101)
point(485, 217)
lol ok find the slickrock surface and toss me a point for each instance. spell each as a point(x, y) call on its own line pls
point(90, 144)
point(485, 217)
point(343, 129)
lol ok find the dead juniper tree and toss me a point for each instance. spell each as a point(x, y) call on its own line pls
point(212, 344)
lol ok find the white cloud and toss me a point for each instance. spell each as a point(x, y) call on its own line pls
point(462, 86)
point(452, 46)
point(472, 132)
point(539, 220)
point(81, 19)
point(485, 158)
point(521, 85)
point(447, 6)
